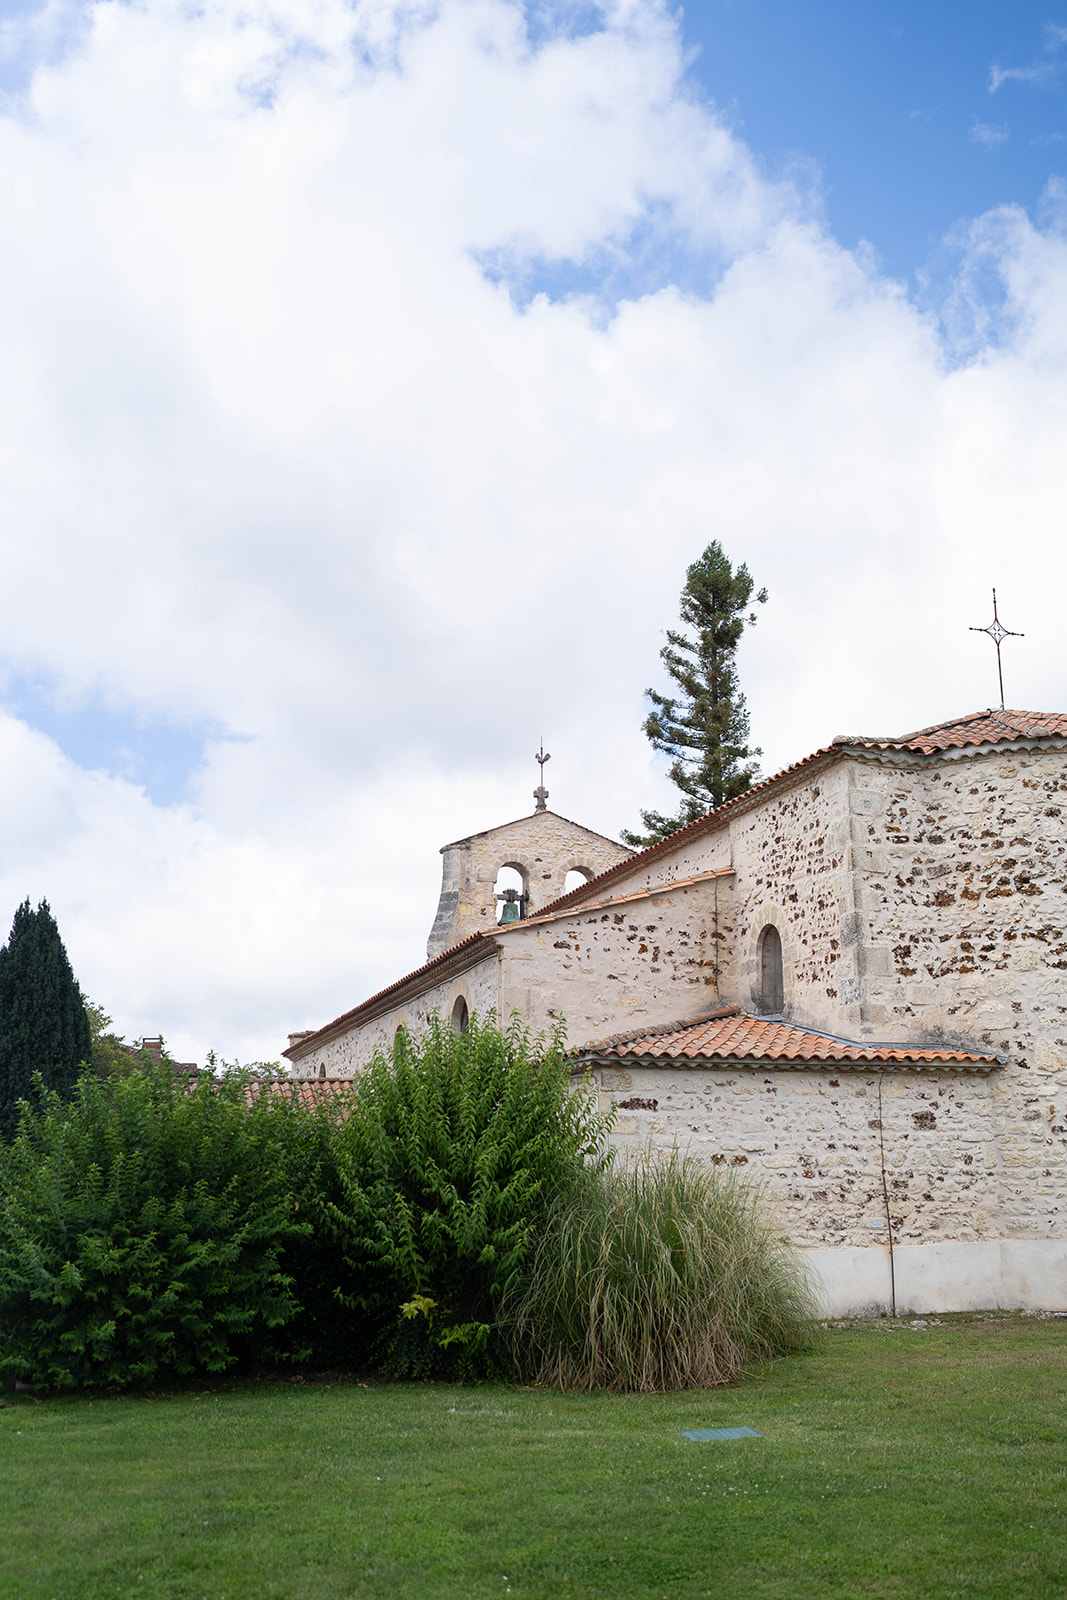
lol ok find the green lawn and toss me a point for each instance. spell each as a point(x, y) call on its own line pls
point(898, 1461)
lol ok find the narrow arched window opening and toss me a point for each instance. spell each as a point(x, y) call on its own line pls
point(509, 894)
point(772, 987)
point(576, 878)
point(460, 1016)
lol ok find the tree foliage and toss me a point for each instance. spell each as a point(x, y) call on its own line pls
point(453, 1151)
point(43, 1023)
point(142, 1230)
point(110, 1052)
point(704, 728)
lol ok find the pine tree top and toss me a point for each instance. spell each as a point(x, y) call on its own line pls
point(704, 727)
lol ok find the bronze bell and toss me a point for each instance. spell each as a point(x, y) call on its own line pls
point(510, 911)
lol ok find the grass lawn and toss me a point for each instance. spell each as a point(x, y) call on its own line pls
point(896, 1460)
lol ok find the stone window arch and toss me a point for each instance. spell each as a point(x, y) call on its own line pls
point(460, 1018)
point(510, 892)
point(770, 976)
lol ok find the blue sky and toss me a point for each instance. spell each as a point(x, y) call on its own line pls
point(892, 102)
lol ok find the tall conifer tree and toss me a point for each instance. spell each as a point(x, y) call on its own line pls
point(704, 728)
point(43, 1023)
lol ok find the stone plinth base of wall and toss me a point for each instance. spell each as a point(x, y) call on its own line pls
point(1029, 1274)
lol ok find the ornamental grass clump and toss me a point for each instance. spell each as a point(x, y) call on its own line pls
point(660, 1274)
point(143, 1230)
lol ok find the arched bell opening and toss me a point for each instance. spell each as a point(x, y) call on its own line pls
point(771, 979)
point(576, 878)
point(509, 894)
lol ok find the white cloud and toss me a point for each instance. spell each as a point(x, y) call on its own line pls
point(989, 134)
point(1042, 71)
point(278, 454)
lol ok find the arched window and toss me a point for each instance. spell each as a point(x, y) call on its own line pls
point(576, 878)
point(771, 987)
point(460, 1016)
point(509, 894)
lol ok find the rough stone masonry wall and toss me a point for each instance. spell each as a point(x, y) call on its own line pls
point(793, 872)
point(962, 907)
point(544, 847)
point(345, 1056)
point(626, 966)
point(814, 1141)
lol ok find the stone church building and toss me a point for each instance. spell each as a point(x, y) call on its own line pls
point(850, 982)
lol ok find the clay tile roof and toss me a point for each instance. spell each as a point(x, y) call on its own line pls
point(307, 1091)
point(979, 727)
point(731, 1035)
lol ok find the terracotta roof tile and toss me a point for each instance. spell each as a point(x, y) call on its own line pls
point(731, 1035)
point(979, 727)
point(308, 1091)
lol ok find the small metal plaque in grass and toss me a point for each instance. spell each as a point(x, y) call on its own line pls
point(700, 1434)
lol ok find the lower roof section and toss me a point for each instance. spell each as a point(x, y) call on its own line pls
point(730, 1036)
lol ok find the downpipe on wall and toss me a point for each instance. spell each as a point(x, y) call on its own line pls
point(885, 1197)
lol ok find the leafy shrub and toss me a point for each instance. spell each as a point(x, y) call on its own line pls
point(142, 1227)
point(453, 1152)
point(325, 1330)
point(662, 1274)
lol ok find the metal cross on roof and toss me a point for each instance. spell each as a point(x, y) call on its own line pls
point(997, 631)
point(541, 793)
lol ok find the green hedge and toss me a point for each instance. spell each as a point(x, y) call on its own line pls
point(455, 1213)
point(142, 1230)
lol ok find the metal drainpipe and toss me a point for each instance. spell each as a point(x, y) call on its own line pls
point(885, 1197)
point(716, 888)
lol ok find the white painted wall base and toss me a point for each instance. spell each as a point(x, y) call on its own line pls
point(1030, 1274)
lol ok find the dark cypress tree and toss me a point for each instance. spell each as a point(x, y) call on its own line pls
point(43, 1023)
point(704, 729)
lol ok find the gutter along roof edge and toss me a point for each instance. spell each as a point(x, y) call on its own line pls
point(588, 1059)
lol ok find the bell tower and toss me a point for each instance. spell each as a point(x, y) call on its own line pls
point(509, 873)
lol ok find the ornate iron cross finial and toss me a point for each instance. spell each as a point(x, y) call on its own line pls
point(541, 793)
point(997, 632)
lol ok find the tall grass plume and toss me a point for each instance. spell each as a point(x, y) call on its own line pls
point(660, 1274)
